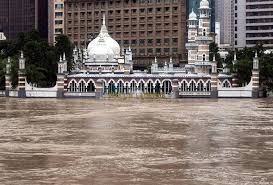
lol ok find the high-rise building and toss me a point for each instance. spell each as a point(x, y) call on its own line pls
point(56, 19)
point(253, 23)
point(152, 28)
point(224, 15)
point(194, 5)
point(23, 16)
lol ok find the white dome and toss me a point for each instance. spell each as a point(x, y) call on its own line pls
point(101, 52)
point(192, 16)
point(113, 45)
point(110, 42)
point(204, 4)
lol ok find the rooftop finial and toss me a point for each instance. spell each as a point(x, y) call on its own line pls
point(22, 54)
point(103, 21)
point(60, 58)
point(64, 56)
point(235, 56)
point(214, 58)
point(256, 54)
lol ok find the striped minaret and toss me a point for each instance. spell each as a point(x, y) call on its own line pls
point(214, 79)
point(22, 77)
point(65, 73)
point(8, 77)
point(234, 74)
point(60, 78)
point(255, 77)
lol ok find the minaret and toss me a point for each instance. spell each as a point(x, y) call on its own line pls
point(255, 77)
point(8, 77)
point(60, 78)
point(171, 64)
point(204, 38)
point(234, 73)
point(214, 79)
point(22, 77)
point(204, 18)
point(191, 46)
point(65, 72)
point(154, 67)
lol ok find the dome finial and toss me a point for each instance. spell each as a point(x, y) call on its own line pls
point(103, 21)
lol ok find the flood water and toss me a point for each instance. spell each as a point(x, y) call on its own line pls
point(134, 141)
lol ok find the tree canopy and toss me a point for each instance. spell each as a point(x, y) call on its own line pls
point(41, 58)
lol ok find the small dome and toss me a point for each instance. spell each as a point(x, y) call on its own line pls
point(192, 16)
point(101, 52)
point(204, 4)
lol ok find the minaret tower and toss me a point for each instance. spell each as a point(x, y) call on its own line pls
point(204, 38)
point(255, 77)
point(191, 46)
point(61, 77)
point(8, 77)
point(234, 74)
point(22, 77)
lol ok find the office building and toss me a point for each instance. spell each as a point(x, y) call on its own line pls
point(152, 28)
point(253, 23)
point(23, 16)
point(56, 19)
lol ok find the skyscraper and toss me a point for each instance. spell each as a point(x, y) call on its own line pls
point(23, 16)
point(253, 23)
point(224, 15)
point(56, 19)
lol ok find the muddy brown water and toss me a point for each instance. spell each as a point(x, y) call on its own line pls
point(134, 141)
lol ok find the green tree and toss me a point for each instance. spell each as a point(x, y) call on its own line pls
point(64, 45)
point(214, 51)
point(2, 74)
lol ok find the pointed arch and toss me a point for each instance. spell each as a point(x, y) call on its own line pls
point(184, 85)
point(72, 86)
point(226, 83)
point(192, 85)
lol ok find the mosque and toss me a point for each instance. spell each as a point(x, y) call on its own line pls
point(103, 69)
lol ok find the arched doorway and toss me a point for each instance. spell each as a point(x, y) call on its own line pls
point(167, 87)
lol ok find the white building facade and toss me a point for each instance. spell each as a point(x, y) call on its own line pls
point(253, 23)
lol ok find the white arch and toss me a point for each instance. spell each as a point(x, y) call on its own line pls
point(167, 80)
point(192, 80)
point(208, 81)
point(224, 82)
point(148, 81)
point(111, 80)
point(140, 81)
point(120, 80)
point(91, 80)
point(82, 80)
point(200, 80)
point(183, 88)
point(73, 80)
point(131, 81)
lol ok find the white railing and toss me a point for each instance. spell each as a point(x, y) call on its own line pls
point(13, 93)
point(41, 94)
point(2, 93)
point(193, 93)
point(78, 94)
